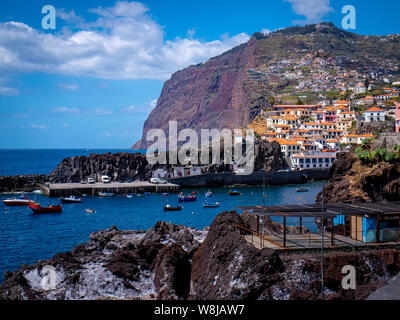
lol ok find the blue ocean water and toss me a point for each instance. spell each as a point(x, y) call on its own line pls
point(26, 238)
point(42, 161)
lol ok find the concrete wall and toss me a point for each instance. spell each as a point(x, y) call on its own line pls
point(271, 178)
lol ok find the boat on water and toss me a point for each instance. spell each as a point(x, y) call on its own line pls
point(128, 196)
point(165, 194)
point(71, 199)
point(168, 207)
point(208, 194)
point(234, 193)
point(90, 211)
point(106, 194)
point(20, 201)
point(187, 198)
point(36, 208)
point(302, 189)
point(211, 205)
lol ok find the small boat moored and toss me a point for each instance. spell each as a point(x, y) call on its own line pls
point(187, 198)
point(234, 193)
point(36, 208)
point(302, 189)
point(208, 194)
point(106, 194)
point(168, 207)
point(211, 205)
point(90, 211)
point(20, 201)
point(71, 199)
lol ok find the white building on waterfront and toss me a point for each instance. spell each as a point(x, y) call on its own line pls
point(313, 161)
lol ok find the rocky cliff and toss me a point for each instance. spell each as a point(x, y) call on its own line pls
point(177, 262)
point(22, 183)
point(228, 91)
point(118, 166)
point(353, 181)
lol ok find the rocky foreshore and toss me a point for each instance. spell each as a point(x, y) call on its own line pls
point(171, 262)
point(22, 183)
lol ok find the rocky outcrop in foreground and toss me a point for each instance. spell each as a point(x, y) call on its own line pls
point(177, 262)
point(350, 181)
point(21, 183)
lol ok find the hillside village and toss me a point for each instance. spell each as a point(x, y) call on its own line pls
point(311, 135)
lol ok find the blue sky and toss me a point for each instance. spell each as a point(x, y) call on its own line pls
point(92, 82)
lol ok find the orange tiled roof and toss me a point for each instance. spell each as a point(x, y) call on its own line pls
point(374, 109)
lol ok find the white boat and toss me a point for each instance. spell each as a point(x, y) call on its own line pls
point(20, 201)
point(302, 189)
point(106, 194)
point(71, 199)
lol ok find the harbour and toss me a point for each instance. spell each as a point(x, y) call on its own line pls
point(68, 189)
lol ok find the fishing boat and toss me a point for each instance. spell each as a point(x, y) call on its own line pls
point(168, 207)
point(302, 189)
point(128, 196)
point(211, 205)
point(208, 194)
point(187, 198)
point(36, 208)
point(164, 194)
point(106, 194)
point(71, 199)
point(90, 211)
point(235, 193)
point(20, 201)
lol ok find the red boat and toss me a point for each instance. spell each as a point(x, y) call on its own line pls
point(21, 201)
point(36, 208)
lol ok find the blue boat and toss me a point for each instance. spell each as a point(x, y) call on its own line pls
point(208, 194)
point(187, 198)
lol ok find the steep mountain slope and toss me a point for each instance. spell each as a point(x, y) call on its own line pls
point(228, 91)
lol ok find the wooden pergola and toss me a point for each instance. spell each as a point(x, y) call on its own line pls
point(331, 210)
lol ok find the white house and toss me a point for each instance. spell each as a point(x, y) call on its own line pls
point(313, 161)
point(187, 171)
point(374, 114)
point(355, 138)
point(161, 174)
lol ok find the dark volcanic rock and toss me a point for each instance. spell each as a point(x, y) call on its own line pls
point(172, 269)
point(350, 181)
point(226, 266)
point(22, 183)
point(118, 166)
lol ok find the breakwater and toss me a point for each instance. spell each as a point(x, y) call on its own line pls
point(254, 179)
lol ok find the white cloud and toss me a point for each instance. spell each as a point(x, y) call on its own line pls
point(39, 126)
point(6, 90)
point(147, 108)
point(265, 31)
point(93, 112)
point(68, 86)
point(312, 10)
point(124, 42)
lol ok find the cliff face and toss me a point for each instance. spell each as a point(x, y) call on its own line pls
point(351, 181)
point(228, 91)
point(173, 262)
point(210, 95)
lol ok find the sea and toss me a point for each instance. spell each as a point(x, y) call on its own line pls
point(26, 238)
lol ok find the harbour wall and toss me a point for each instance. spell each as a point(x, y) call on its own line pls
point(254, 179)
